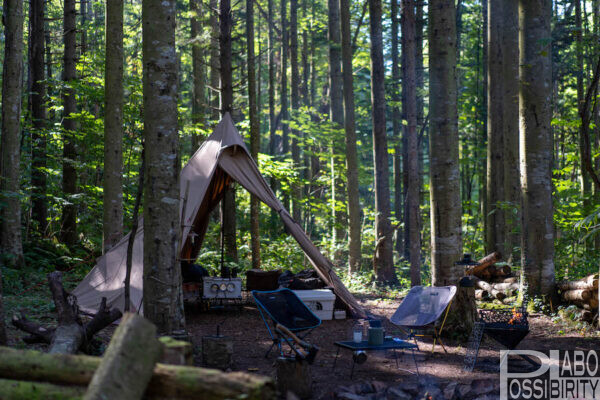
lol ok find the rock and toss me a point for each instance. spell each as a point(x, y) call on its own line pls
point(349, 396)
point(482, 386)
point(462, 390)
point(395, 393)
point(411, 387)
point(449, 390)
point(379, 386)
point(363, 388)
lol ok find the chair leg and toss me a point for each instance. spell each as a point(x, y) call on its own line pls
point(442, 343)
point(435, 336)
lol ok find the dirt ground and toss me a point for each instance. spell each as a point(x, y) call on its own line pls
point(251, 342)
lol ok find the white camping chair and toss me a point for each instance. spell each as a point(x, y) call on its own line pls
point(420, 310)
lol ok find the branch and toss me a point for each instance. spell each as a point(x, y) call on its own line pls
point(359, 25)
point(265, 16)
point(584, 113)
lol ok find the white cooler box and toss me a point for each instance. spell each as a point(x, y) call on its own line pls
point(319, 301)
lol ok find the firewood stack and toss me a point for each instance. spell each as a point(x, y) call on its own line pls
point(583, 292)
point(493, 281)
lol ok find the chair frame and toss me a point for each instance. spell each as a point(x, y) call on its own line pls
point(276, 336)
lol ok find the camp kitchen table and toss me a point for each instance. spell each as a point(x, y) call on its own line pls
point(388, 344)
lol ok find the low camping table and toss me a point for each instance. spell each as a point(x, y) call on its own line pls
point(388, 344)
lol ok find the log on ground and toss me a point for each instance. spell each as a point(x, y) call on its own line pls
point(168, 381)
point(26, 390)
point(577, 295)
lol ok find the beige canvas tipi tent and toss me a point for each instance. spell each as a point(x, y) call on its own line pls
point(222, 159)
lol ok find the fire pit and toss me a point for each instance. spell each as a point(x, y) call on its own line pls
point(507, 327)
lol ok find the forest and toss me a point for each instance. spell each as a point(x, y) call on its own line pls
point(399, 134)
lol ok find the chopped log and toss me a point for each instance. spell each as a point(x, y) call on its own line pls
point(70, 334)
point(128, 362)
point(176, 352)
point(25, 390)
point(589, 282)
point(572, 314)
point(502, 271)
point(506, 286)
point(294, 376)
point(481, 294)
point(495, 293)
point(578, 294)
point(484, 263)
point(511, 279)
point(168, 381)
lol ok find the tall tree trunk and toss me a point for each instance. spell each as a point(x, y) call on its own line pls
point(398, 160)
point(271, 89)
point(39, 209)
point(336, 112)
point(446, 210)
point(512, 172)
point(163, 300)
point(285, 112)
point(535, 91)
point(354, 243)
point(69, 124)
point(495, 240)
point(3, 337)
point(215, 75)
point(383, 264)
point(295, 103)
point(11, 247)
point(228, 207)
point(484, 102)
point(198, 73)
point(409, 90)
point(113, 125)
point(254, 131)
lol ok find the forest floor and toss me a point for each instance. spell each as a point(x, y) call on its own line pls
point(251, 342)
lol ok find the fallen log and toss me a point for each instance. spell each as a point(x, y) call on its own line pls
point(26, 390)
point(511, 279)
point(576, 295)
point(71, 333)
point(484, 263)
point(589, 282)
point(571, 314)
point(481, 294)
point(128, 362)
point(506, 286)
point(167, 382)
point(495, 293)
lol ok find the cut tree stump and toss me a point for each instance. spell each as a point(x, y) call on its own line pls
point(128, 362)
point(293, 376)
point(168, 381)
point(176, 352)
point(71, 333)
point(217, 352)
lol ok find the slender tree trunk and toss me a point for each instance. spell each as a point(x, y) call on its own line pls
point(295, 103)
point(383, 264)
point(446, 210)
point(399, 148)
point(113, 125)
point(336, 113)
point(163, 300)
point(10, 156)
point(215, 75)
point(421, 122)
point(228, 206)
point(198, 73)
point(3, 338)
point(271, 62)
point(484, 102)
point(354, 243)
point(39, 209)
point(409, 89)
point(512, 172)
point(495, 240)
point(285, 112)
point(535, 91)
point(69, 124)
point(254, 130)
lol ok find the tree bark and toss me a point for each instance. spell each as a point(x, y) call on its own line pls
point(295, 106)
point(399, 158)
point(3, 337)
point(163, 299)
point(10, 156)
point(228, 206)
point(128, 363)
point(215, 76)
point(254, 131)
point(535, 92)
point(384, 266)
point(69, 124)
point(354, 243)
point(198, 73)
point(113, 126)
point(495, 240)
point(285, 113)
point(446, 210)
point(39, 208)
point(168, 381)
point(409, 89)
point(512, 171)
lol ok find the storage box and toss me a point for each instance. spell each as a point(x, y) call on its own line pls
point(257, 279)
point(319, 301)
point(221, 288)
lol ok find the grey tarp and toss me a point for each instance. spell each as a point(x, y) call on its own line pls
point(423, 306)
point(221, 159)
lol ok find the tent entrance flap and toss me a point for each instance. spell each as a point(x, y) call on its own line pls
point(220, 160)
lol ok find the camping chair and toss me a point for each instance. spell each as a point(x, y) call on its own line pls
point(285, 309)
point(420, 310)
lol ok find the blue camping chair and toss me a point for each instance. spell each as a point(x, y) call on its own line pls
point(284, 308)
